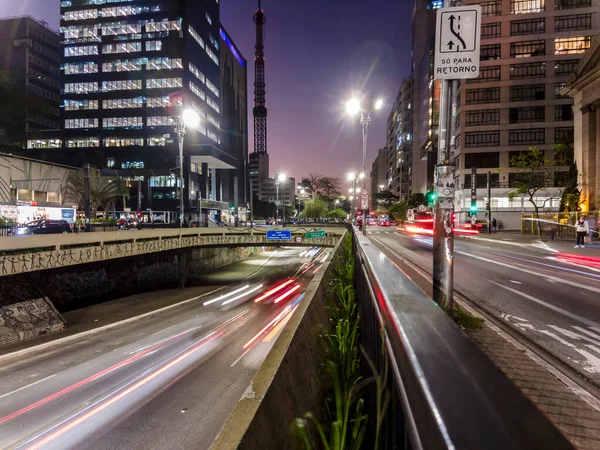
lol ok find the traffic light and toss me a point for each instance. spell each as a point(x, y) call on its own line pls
point(473, 208)
point(487, 206)
point(431, 197)
point(232, 207)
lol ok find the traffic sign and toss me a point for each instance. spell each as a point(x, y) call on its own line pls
point(279, 235)
point(315, 234)
point(458, 32)
point(298, 239)
point(364, 200)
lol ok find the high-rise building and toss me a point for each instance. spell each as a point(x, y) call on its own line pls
point(279, 192)
point(258, 165)
point(399, 142)
point(378, 175)
point(234, 122)
point(30, 58)
point(129, 69)
point(426, 95)
point(529, 48)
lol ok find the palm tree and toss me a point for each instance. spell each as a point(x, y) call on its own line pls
point(104, 191)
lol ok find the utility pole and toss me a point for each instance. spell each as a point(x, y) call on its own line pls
point(489, 202)
point(456, 57)
point(86, 196)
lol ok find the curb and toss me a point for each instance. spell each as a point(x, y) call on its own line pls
point(109, 326)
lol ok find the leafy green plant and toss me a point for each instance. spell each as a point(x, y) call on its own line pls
point(466, 320)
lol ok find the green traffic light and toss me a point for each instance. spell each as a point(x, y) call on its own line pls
point(473, 208)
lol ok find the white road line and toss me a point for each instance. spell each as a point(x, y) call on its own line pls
point(27, 386)
point(531, 272)
point(548, 305)
point(516, 282)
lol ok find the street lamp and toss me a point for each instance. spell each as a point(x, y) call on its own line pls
point(353, 107)
point(280, 179)
point(188, 118)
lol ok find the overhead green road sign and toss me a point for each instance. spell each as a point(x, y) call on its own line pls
point(315, 234)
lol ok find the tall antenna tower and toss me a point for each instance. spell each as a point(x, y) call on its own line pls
point(260, 105)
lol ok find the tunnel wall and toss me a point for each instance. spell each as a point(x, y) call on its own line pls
point(31, 303)
point(289, 382)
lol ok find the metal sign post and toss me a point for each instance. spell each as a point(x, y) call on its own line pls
point(456, 57)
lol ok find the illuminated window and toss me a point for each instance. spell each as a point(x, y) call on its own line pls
point(123, 142)
point(196, 36)
point(214, 105)
point(127, 65)
point(197, 73)
point(121, 85)
point(163, 102)
point(110, 162)
point(124, 47)
point(558, 87)
point(213, 41)
point(119, 28)
point(493, 8)
point(81, 88)
point(212, 56)
point(80, 105)
point(153, 46)
point(210, 119)
point(83, 50)
point(132, 165)
point(164, 181)
point(490, 30)
point(160, 121)
point(122, 122)
point(83, 14)
point(163, 83)
point(81, 33)
point(120, 11)
point(164, 63)
point(196, 90)
point(572, 45)
point(81, 67)
point(526, 6)
point(435, 4)
point(208, 18)
point(83, 142)
point(44, 143)
point(123, 103)
point(157, 141)
point(81, 123)
point(212, 87)
point(165, 25)
point(488, 52)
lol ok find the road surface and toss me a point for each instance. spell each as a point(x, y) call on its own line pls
point(554, 303)
point(167, 381)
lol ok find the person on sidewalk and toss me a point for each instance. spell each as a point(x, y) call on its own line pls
point(582, 229)
point(494, 225)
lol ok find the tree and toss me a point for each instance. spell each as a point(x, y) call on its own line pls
point(329, 186)
point(104, 191)
point(536, 173)
point(314, 180)
point(337, 214)
point(384, 199)
point(399, 209)
point(314, 209)
point(262, 209)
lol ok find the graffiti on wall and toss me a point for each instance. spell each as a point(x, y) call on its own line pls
point(28, 319)
point(31, 262)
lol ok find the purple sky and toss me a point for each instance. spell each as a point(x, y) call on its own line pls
point(316, 56)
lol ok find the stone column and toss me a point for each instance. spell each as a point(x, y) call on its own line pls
point(588, 157)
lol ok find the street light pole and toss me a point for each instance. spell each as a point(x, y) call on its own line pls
point(365, 118)
point(277, 201)
point(180, 131)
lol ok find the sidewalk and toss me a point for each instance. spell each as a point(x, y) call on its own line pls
point(565, 245)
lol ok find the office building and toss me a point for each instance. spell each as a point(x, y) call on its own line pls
point(584, 86)
point(129, 69)
point(279, 192)
point(399, 143)
point(529, 48)
point(234, 123)
point(30, 58)
point(426, 96)
point(378, 175)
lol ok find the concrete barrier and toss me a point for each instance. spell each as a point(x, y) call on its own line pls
point(289, 382)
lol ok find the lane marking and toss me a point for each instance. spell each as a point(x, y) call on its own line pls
point(27, 386)
point(516, 282)
point(550, 278)
point(548, 305)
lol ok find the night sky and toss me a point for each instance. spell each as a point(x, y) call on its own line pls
point(316, 56)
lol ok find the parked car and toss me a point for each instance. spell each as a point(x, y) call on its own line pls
point(45, 226)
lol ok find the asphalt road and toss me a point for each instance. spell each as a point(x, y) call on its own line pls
point(168, 381)
point(554, 303)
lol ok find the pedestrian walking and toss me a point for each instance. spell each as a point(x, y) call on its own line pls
point(582, 229)
point(494, 224)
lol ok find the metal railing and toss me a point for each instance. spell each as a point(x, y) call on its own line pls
point(445, 392)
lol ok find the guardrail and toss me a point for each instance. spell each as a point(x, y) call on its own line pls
point(445, 392)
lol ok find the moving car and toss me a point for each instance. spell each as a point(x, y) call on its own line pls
point(384, 223)
point(45, 226)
